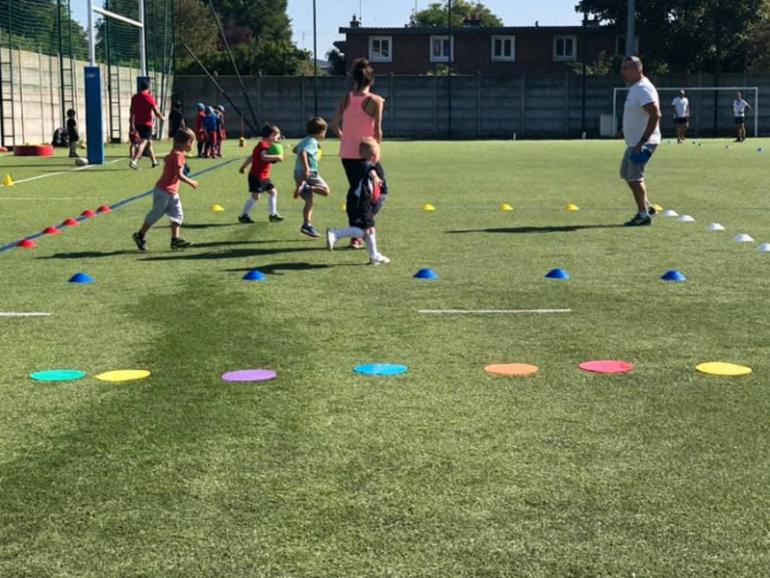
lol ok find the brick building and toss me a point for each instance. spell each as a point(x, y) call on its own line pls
point(475, 49)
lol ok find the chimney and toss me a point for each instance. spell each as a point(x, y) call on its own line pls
point(472, 21)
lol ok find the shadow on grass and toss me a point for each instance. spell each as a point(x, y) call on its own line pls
point(275, 268)
point(209, 225)
point(554, 229)
point(231, 254)
point(88, 254)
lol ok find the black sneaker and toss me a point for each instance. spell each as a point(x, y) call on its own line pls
point(276, 218)
point(141, 242)
point(651, 211)
point(179, 243)
point(309, 230)
point(155, 164)
point(639, 221)
point(245, 219)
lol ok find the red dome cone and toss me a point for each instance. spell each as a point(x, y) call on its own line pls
point(27, 244)
point(51, 231)
point(70, 223)
point(104, 209)
point(88, 213)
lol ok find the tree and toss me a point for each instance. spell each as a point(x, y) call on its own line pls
point(436, 15)
point(258, 32)
point(686, 35)
point(759, 40)
point(337, 62)
point(33, 25)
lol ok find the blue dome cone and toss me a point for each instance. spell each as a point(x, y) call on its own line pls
point(254, 275)
point(673, 275)
point(425, 274)
point(82, 278)
point(560, 274)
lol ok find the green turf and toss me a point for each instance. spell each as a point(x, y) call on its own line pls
point(443, 471)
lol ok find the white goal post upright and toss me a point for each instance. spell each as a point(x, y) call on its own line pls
point(664, 105)
point(93, 82)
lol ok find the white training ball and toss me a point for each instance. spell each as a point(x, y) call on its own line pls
point(81, 162)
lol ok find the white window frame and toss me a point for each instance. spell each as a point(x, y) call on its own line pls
point(377, 56)
point(502, 38)
point(565, 57)
point(442, 58)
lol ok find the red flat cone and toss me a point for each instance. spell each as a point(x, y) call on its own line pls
point(88, 213)
point(27, 244)
point(70, 223)
point(104, 209)
point(51, 231)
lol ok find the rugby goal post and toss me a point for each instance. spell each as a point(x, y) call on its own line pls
point(750, 94)
point(93, 82)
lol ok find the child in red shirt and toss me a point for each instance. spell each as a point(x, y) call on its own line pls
point(259, 177)
point(165, 199)
point(199, 134)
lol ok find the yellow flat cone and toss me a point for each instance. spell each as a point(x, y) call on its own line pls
point(505, 207)
point(121, 375)
point(572, 207)
point(657, 207)
point(722, 368)
point(217, 208)
point(242, 142)
point(7, 181)
point(428, 207)
point(344, 207)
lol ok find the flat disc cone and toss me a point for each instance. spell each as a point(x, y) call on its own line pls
point(723, 369)
point(511, 369)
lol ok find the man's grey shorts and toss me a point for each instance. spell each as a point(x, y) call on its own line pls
point(164, 204)
point(631, 171)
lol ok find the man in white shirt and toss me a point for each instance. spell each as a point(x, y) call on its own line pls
point(641, 130)
point(681, 106)
point(739, 113)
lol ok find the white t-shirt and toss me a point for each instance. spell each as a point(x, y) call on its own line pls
point(681, 106)
point(739, 107)
point(635, 117)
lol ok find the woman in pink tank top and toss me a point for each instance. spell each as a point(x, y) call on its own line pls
point(358, 116)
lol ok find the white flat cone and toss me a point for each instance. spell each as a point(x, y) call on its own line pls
point(670, 213)
point(685, 219)
point(764, 248)
point(716, 227)
point(743, 238)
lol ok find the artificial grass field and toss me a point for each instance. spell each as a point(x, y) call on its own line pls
point(444, 471)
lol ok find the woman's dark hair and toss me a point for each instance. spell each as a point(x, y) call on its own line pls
point(363, 73)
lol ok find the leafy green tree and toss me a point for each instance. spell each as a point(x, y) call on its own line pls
point(337, 61)
point(686, 35)
point(436, 15)
point(33, 25)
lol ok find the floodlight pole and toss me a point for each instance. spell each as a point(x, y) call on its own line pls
point(631, 28)
point(315, 64)
point(91, 34)
point(449, 69)
point(142, 42)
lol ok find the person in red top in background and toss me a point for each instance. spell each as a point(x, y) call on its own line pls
point(143, 107)
point(165, 197)
point(200, 134)
point(259, 177)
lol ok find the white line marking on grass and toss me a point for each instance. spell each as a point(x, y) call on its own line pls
point(46, 175)
point(491, 311)
point(20, 314)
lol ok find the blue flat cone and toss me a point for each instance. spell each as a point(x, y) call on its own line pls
point(254, 275)
point(674, 276)
point(82, 278)
point(557, 274)
point(425, 274)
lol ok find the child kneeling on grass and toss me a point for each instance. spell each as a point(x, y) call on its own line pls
point(364, 202)
point(165, 197)
point(306, 177)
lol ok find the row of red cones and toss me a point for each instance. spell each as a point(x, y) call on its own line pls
point(30, 244)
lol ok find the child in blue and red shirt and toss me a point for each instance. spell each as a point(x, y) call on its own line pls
point(259, 177)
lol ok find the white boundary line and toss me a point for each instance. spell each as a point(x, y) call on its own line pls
point(18, 314)
point(58, 173)
point(491, 311)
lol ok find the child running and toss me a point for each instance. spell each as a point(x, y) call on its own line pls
point(165, 197)
point(259, 177)
point(306, 176)
point(364, 202)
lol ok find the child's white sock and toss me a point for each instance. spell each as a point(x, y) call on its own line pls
point(272, 204)
point(348, 232)
point(371, 244)
point(247, 207)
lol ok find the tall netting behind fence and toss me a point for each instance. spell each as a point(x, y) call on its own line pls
point(44, 48)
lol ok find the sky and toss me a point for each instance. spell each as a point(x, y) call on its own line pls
point(331, 14)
